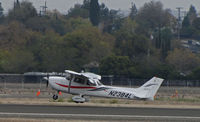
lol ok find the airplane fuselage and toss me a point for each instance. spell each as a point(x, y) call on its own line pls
point(65, 85)
point(87, 84)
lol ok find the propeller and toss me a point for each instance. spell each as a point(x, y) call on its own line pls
point(47, 80)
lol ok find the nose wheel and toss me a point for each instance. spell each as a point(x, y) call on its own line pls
point(55, 97)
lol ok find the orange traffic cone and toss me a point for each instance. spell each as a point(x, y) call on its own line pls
point(59, 93)
point(38, 93)
point(175, 95)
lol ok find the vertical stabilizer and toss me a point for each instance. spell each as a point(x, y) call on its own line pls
point(149, 89)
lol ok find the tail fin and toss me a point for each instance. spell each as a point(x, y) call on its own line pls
point(149, 89)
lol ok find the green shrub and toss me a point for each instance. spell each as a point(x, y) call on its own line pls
point(114, 101)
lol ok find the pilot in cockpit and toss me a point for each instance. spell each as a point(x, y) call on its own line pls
point(90, 82)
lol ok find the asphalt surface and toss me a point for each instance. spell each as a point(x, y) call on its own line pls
point(98, 113)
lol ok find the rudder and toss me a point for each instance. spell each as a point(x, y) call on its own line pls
point(149, 89)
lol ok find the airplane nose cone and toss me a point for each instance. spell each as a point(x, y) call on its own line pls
point(50, 81)
point(45, 78)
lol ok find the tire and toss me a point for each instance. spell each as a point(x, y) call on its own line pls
point(55, 97)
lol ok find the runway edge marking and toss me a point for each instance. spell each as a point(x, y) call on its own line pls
point(95, 115)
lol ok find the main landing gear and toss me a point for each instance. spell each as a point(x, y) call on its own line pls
point(80, 99)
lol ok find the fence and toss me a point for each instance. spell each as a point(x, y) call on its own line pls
point(123, 81)
point(34, 81)
point(21, 81)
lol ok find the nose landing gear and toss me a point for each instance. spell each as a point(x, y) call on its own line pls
point(55, 96)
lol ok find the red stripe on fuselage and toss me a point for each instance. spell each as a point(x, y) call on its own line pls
point(76, 87)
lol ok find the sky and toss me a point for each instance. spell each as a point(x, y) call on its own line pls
point(64, 5)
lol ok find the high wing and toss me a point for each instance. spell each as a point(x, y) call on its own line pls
point(72, 72)
point(91, 75)
point(88, 75)
point(76, 74)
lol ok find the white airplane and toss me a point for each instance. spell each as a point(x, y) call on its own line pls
point(88, 84)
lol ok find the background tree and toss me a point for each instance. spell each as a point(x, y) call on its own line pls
point(188, 29)
point(86, 4)
point(141, 47)
point(22, 11)
point(195, 73)
point(117, 65)
point(196, 26)
point(192, 14)
point(196, 23)
point(1, 10)
point(78, 11)
point(104, 13)
point(128, 43)
point(87, 43)
point(51, 54)
point(184, 61)
point(152, 16)
point(166, 37)
point(133, 12)
point(18, 61)
point(186, 22)
point(94, 12)
point(13, 36)
point(40, 24)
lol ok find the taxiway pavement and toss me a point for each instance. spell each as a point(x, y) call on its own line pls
point(98, 113)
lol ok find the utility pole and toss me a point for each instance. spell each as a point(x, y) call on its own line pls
point(179, 21)
point(43, 9)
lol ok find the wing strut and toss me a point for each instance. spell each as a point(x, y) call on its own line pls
point(70, 82)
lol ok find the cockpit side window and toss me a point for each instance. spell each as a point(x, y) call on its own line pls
point(79, 80)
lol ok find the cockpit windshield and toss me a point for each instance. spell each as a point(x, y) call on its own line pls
point(79, 80)
point(94, 82)
point(90, 83)
point(99, 83)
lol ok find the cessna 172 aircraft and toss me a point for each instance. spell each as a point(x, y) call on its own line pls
point(88, 84)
